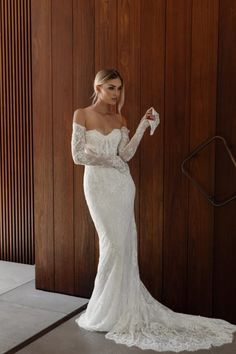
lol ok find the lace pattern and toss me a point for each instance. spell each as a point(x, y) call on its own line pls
point(81, 157)
point(127, 147)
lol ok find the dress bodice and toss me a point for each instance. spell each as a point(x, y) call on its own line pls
point(103, 143)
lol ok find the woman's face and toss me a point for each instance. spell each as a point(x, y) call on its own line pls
point(110, 91)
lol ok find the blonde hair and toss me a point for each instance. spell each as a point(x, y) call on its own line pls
point(103, 76)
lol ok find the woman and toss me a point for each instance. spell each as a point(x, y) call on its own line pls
point(120, 303)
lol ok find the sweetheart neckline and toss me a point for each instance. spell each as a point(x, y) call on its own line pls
point(84, 128)
point(91, 130)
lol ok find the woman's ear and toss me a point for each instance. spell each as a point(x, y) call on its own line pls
point(97, 89)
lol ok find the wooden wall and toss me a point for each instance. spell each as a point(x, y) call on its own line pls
point(224, 227)
point(16, 134)
point(178, 57)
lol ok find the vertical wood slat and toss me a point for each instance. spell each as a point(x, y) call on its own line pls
point(1, 130)
point(5, 158)
point(20, 115)
point(224, 286)
point(83, 72)
point(62, 29)
point(13, 128)
point(151, 162)
point(15, 124)
point(16, 138)
point(8, 128)
point(3, 91)
point(41, 15)
point(176, 144)
point(204, 44)
point(23, 128)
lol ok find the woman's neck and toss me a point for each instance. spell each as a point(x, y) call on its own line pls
point(104, 108)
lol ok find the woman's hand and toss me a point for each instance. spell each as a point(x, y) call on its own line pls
point(115, 161)
point(121, 165)
point(152, 117)
point(149, 114)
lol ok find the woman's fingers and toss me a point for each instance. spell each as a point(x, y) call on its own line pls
point(149, 114)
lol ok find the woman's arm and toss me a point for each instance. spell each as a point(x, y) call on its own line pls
point(127, 147)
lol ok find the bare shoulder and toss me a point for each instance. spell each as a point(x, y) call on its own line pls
point(79, 116)
point(123, 120)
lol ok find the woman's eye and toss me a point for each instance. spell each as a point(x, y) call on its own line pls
point(112, 88)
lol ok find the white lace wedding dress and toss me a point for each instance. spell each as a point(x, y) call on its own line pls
point(120, 303)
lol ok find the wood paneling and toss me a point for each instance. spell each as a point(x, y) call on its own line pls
point(152, 92)
point(62, 54)
point(202, 118)
point(176, 146)
point(83, 72)
point(224, 265)
point(43, 143)
point(16, 155)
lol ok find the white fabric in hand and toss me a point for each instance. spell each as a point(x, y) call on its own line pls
point(154, 123)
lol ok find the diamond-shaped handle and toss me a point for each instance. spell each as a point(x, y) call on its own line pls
point(210, 198)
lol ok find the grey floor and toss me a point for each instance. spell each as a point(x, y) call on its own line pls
point(25, 311)
point(69, 339)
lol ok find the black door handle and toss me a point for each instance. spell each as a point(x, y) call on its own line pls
point(211, 198)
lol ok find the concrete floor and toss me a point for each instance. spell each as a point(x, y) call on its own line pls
point(69, 338)
point(31, 317)
point(26, 311)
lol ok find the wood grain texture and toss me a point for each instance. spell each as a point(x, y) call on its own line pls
point(83, 74)
point(204, 47)
point(224, 265)
point(62, 54)
point(152, 30)
point(16, 181)
point(43, 144)
point(176, 146)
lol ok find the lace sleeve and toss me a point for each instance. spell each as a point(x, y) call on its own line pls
point(127, 147)
point(81, 157)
